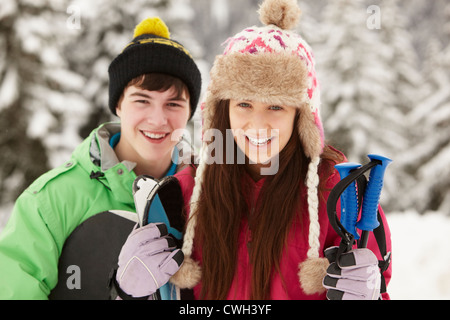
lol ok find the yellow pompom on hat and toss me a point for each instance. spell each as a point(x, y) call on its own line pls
point(152, 51)
point(153, 26)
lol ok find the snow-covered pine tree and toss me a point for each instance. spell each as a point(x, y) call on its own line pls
point(357, 82)
point(402, 62)
point(429, 159)
point(219, 19)
point(362, 76)
point(37, 91)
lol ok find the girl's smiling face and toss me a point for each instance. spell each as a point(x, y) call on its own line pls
point(261, 130)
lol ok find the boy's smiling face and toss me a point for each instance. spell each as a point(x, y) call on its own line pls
point(150, 124)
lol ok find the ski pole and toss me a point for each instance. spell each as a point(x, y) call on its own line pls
point(347, 238)
point(369, 221)
point(349, 200)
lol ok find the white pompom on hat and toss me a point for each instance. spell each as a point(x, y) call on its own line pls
point(279, 69)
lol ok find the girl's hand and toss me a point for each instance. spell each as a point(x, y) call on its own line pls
point(354, 276)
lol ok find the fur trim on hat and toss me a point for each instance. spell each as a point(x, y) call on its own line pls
point(264, 77)
point(310, 134)
point(282, 13)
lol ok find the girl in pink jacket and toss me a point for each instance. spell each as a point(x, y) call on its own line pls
point(257, 226)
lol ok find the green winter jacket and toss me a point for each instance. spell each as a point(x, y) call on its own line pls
point(49, 210)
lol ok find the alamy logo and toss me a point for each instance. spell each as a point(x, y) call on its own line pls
point(73, 22)
point(374, 20)
point(74, 280)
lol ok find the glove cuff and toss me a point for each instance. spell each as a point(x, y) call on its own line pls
point(115, 290)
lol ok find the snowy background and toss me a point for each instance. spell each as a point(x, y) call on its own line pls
point(384, 67)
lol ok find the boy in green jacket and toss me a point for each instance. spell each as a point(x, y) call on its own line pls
point(154, 89)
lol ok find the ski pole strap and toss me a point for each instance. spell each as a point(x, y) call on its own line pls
point(380, 237)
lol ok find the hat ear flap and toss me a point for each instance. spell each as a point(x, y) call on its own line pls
point(310, 132)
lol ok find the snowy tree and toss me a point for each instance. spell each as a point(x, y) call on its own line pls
point(402, 62)
point(368, 80)
point(216, 20)
point(429, 159)
point(38, 93)
point(357, 83)
point(402, 58)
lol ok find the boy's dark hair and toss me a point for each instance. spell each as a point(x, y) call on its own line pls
point(158, 82)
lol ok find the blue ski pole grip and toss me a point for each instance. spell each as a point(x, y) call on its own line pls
point(349, 199)
point(369, 221)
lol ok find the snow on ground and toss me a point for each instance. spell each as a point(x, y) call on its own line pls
point(421, 255)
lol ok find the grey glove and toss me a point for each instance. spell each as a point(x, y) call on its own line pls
point(354, 276)
point(148, 259)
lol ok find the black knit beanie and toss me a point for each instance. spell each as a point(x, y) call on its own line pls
point(152, 51)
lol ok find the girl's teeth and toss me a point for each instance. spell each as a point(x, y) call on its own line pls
point(154, 135)
point(258, 141)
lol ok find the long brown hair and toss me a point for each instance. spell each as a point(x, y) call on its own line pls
point(222, 207)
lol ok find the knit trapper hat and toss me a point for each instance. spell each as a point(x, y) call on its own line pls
point(273, 65)
point(152, 51)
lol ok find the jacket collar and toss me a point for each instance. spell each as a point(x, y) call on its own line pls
point(102, 154)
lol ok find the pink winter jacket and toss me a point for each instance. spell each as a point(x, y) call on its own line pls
point(290, 288)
